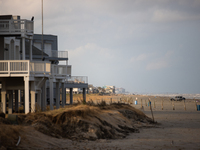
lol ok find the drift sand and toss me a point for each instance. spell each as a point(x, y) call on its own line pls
point(76, 122)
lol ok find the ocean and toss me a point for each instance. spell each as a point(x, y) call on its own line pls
point(187, 96)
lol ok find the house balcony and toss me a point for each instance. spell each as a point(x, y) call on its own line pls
point(77, 79)
point(19, 68)
point(16, 27)
point(61, 71)
point(77, 82)
point(57, 55)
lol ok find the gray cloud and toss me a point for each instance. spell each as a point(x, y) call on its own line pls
point(141, 45)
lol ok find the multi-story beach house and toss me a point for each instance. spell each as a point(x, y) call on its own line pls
point(30, 70)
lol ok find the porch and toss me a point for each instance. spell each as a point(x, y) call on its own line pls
point(20, 68)
point(16, 27)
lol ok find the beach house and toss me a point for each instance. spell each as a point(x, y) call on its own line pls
point(31, 74)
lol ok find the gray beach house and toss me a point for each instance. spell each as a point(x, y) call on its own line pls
point(30, 70)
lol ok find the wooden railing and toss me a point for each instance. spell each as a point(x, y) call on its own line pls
point(16, 27)
point(39, 67)
point(77, 79)
point(33, 68)
point(14, 67)
point(57, 54)
point(61, 70)
point(23, 67)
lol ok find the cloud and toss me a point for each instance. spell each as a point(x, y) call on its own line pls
point(141, 57)
point(112, 41)
point(93, 51)
point(160, 63)
point(157, 65)
point(16, 7)
point(163, 15)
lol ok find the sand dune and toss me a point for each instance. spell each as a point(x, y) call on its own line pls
point(110, 126)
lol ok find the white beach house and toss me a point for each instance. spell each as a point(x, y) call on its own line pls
point(30, 70)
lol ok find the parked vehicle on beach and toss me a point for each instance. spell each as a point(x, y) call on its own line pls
point(178, 98)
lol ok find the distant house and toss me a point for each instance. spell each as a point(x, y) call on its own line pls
point(109, 89)
point(30, 71)
point(120, 91)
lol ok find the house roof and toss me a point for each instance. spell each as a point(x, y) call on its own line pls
point(5, 17)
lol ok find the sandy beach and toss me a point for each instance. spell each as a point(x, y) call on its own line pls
point(177, 129)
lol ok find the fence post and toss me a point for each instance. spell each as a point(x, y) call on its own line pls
point(149, 104)
point(151, 109)
point(184, 105)
point(195, 104)
point(173, 106)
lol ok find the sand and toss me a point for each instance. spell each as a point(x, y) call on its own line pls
point(177, 129)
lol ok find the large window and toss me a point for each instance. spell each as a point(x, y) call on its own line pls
point(47, 48)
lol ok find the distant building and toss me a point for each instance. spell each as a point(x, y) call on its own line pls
point(120, 91)
point(109, 89)
point(75, 90)
point(90, 88)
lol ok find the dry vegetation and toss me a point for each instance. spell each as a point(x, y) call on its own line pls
point(78, 122)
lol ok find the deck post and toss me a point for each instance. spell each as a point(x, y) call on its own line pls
point(3, 96)
point(71, 95)
point(19, 97)
point(16, 101)
point(84, 95)
point(57, 95)
point(63, 95)
point(30, 54)
point(10, 102)
point(26, 94)
point(51, 93)
point(44, 100)
point(39, 101)
point(3, 100)
point(23, 48)
point(32, 96)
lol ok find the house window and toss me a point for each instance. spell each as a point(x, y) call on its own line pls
point(47, 48)
point(6, 52)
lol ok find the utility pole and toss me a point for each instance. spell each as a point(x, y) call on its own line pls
point(42, 31)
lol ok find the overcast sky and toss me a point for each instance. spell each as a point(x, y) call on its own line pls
point(144, 46)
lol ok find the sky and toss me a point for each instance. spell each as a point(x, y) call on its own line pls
point(144, 46)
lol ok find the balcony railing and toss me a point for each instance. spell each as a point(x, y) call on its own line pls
point(16, 26)
point(57, 54)
point(61, 70)
point(36, 68)
point(40, 67)
point(23, 67)
point(77, 79)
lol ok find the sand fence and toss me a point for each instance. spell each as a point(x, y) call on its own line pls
point(142, 102)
